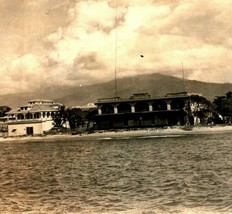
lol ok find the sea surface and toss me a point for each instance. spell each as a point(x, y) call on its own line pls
point(141, 175)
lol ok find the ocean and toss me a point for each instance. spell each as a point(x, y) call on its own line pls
point(141, 175)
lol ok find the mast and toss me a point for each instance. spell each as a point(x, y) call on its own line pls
point(116, 46)
point(182, 67)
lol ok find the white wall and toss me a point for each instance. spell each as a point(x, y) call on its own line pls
point(20, 129)
point(47, 125)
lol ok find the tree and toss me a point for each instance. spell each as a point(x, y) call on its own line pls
point(3, 110)
point(224, 106)
point(74, 117)
point(89, 116)
point(59, 117)
point(71, 115)
point(202, 109)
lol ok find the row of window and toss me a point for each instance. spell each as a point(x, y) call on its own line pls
point(142, 106)
point(36, 115)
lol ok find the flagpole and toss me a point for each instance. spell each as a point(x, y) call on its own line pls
point(182, 66)
point(116, 44)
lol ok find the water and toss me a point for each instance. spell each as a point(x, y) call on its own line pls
point(172, 174)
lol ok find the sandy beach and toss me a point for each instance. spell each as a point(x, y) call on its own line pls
point(126, 133)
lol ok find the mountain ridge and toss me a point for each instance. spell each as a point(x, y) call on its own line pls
point(155, 84)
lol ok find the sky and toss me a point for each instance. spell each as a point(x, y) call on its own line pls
point(82, 42)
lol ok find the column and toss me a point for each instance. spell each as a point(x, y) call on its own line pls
point(99, 111)
point(168, 105)
point(115, 109)
point(133, 108)
point(150, 107)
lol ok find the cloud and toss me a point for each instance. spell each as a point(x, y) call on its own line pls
point(81, 42)
point(22, 74)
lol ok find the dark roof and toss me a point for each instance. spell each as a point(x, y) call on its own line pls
point(142, 97)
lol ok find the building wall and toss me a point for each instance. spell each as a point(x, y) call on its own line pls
point(20, 129)
point(137, 113)
point(47, 125)
point(175, 109)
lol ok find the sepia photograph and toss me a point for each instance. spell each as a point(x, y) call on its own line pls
point(115, 106)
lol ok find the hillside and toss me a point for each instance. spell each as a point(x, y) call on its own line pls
point(155, 84)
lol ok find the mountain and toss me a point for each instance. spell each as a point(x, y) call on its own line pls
point(155, 84)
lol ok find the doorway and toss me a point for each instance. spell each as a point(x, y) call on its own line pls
point(30, 131)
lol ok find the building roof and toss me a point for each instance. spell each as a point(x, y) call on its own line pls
point(142, 97)
point(41, 100)
point(37, 105)
point(15, 111)
point(41, 108)
point(35, 108)
point(86, 106)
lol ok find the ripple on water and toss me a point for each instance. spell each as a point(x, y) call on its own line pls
point(179, 174)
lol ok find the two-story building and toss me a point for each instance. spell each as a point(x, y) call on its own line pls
point(142, 110)
point(32, 119)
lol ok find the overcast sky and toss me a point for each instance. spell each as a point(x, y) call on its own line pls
point(73, 41)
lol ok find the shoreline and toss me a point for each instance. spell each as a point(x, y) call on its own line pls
point(167, 131)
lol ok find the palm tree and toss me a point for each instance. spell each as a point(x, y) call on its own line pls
point(60, 117)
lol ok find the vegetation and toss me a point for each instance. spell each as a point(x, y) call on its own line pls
point(224, 106)
point(201, 110)
point(74, 117)
point(3, 110)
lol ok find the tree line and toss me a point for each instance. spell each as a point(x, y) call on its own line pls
point(73, 118)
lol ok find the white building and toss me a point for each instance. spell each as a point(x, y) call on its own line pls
point(32, 119)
